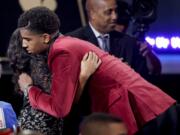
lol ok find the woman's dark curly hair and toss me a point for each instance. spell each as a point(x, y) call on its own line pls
point(18, 58)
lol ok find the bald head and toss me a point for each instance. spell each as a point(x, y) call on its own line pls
point(102, 14)
point(93, 5)
point(102, 124)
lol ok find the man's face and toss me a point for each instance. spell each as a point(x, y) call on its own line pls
point(104, 16)
point(32, 42)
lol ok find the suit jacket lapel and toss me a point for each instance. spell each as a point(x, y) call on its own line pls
point(91, 36)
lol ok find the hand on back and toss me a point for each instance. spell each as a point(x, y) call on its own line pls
point(89, 64)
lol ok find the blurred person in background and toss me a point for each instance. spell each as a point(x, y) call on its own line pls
point(102, 124)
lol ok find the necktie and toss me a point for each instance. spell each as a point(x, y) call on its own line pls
point(105, 45)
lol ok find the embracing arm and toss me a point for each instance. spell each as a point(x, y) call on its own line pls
point(89, 65)
point(65, 75)
point(64, 90)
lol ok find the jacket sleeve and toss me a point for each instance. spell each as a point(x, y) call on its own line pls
point(65, 76)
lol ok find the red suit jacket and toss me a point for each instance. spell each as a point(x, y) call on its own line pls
point(114, 88)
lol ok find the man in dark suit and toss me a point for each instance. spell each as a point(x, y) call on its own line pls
point(102, 17)
point(121, 46)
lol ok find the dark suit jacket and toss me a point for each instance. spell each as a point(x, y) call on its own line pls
point(121, 46)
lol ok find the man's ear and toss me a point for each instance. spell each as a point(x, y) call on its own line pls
point(46, 38)
point(92, 14)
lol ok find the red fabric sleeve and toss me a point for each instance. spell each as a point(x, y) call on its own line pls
point(65, 76)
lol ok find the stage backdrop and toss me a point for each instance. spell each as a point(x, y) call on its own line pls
point(10, 10)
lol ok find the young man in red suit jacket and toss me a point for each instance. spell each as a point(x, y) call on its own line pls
point(114, 88)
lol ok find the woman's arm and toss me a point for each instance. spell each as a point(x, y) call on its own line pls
point(89, 65)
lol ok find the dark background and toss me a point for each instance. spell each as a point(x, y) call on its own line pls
point(168, 21)
point(10, 10)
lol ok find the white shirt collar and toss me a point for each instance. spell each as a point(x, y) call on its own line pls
point(97, 34)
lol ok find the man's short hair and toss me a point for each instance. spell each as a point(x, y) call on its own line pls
point(39, 20)
point(97, 121)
